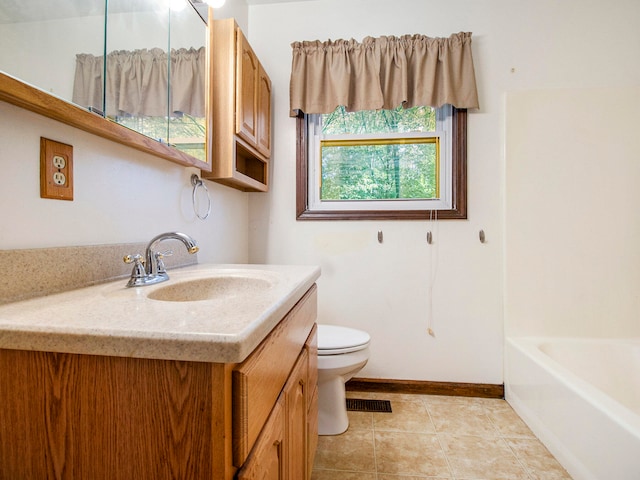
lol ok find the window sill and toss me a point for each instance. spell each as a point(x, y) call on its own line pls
point(381, 214)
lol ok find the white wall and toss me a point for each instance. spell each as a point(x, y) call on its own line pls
point(518, 45)
point(572, 216)
point(120, 195)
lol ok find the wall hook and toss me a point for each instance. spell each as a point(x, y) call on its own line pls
point(429, 238)
point(380, 236)
point(481, 236)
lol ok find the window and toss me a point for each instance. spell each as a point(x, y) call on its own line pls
point(386, 164)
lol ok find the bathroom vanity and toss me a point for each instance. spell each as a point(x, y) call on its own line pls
point(211, 375)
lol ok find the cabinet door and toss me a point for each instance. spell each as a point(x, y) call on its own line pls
point(312, 429)
point(295, 392)
point(263, 132)
point(312, 397)
point(246, 90)
point(268, 458)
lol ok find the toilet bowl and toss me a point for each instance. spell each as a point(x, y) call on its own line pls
point(342, 352)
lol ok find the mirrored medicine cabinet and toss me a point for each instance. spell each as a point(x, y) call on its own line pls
point(154, 94)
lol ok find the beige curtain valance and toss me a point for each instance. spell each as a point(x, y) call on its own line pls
point(137, 82)
point(382, 73)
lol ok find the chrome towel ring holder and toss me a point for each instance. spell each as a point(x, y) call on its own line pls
point(197, 183)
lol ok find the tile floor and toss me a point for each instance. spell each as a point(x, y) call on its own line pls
point(435, 437)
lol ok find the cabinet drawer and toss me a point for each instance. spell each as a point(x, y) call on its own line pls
point(258, 381)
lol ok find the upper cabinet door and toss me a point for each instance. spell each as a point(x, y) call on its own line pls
point(263, 140)
point(246, 90)
point(253, 99)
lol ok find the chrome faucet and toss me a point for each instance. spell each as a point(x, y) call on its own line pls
point(150, 269)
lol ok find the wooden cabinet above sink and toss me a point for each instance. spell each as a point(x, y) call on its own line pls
point(240, 111)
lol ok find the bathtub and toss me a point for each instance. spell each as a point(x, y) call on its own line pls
point(581, 397)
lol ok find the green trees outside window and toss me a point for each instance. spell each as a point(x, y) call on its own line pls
point(379, 155)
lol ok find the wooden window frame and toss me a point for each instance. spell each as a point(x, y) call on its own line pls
point(459, 187)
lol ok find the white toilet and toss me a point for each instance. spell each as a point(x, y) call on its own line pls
point(342, 352)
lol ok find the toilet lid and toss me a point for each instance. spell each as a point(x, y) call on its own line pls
point(333, 340)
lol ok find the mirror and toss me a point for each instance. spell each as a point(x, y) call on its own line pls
point(155, 55)
point(187, 86)
point(40, 40)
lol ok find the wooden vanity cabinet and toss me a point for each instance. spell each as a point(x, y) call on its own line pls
point(69, 416)
point(240, 111)
point(277, 376)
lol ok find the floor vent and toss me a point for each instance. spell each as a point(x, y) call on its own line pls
point(358, 405)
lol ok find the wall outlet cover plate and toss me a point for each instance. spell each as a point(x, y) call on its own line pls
point(56, 170)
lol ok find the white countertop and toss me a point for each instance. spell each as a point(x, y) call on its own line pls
point(113, 320)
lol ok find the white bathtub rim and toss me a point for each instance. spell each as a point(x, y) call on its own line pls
point(619, 412)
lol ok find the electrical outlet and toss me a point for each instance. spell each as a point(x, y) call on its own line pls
point(56, 170)
point(59, 162)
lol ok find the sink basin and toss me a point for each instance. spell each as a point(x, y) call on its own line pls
point(210, 288)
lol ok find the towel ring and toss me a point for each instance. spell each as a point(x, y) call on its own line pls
point(197, 182)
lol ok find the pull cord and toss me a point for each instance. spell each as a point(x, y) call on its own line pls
point(433, 270)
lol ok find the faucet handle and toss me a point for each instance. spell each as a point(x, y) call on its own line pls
point(137, 258)
point(138, 273)
point(159, 256)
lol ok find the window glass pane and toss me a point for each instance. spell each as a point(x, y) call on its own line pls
point(385, 170)
point(416, 119)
